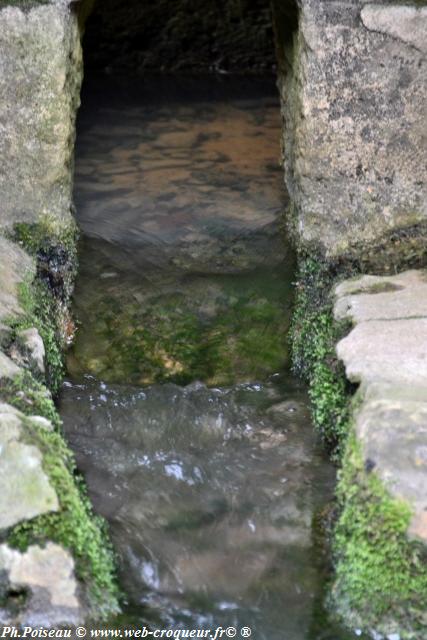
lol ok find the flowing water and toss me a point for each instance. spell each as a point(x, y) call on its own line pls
point(195, 442)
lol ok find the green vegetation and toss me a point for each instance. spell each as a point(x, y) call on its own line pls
point(219, 330)
point(29, 396)
point(44, 313)
point(74, 526)
point(313, 338)
point(44, 303)
point(45, 299)
point(45, 234)
point(381, 577)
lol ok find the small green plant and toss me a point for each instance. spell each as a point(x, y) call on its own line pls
point(46, 233)
point(29, 396)
point(381, 577)
point(313, 339)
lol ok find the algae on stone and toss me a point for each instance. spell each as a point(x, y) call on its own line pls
point(218, 329)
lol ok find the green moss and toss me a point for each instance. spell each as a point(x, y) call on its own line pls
point(381, 577)
point(46, 233)
point(219, 330)
point(314, 335)
point(29, 396)
point(45, 299)
point(42, 311)
point(74, 526)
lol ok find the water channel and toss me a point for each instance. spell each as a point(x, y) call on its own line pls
point(194, 439)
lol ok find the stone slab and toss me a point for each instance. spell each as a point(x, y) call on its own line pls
point(8, 369)
point(48, 574)
point(382, 298)
point(25, 491)
point(393, 433)
point(32, 344)
point(386, 353)
point(389, 351)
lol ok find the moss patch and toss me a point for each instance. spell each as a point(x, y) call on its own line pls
point(42, 312)
point(220, 330)
point(45, 300)
point(381, 577)
point(29, 396)
point(74, 526)
point(45, 233)
point(313, 336)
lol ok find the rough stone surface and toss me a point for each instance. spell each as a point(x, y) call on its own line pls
point(25, 490)
point(32, 344)
point(382, 298)
point(8, 369)
point(48, 574)
point(386, 352)
point(406, 23)
point(16, 266)
point(353, 89)
point(40, 73)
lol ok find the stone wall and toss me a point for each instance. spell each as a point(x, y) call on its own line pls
point(56, 566)
point(353, 87)
point(353, 83)
point(40, 76)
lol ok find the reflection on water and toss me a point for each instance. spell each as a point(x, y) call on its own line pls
point(195, 184)
point(210, 491)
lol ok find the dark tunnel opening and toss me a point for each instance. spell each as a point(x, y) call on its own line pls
point(184, 36)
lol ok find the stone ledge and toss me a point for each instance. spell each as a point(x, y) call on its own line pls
point(386, 352)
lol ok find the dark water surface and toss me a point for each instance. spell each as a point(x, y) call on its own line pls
point(195, 443)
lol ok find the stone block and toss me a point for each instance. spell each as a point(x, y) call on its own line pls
point(354, 108)
point(40, 75)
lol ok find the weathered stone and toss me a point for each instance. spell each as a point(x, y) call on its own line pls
point(25, 490)
point(354, 108)
point(389, 351)
point(382, 298)
point(48, 574)
point(40, 74)
point(8, 369)
point(16, 267)
point(42, 422)
point(386, 352)
point(393, 432)
point(406, 23)
point(33, 345)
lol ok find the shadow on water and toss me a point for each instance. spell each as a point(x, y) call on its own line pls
point(196, 445)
